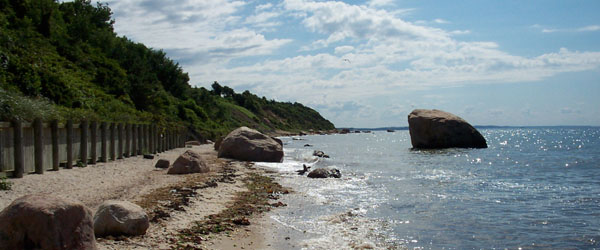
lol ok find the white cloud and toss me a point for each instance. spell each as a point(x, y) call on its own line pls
point(589, 28)
point(440, 21)
point(381, 3)
point(460, 32)
point(195, 31)
point(366, 52)
point(343, 49)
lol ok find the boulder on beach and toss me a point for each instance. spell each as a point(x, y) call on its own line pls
point(162, 163)
point(250, 145)
point(188, 163)
point(438, 129)
point(325, 173)
point(42, 221)
point(120, 218)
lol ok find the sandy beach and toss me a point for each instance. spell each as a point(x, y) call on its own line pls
point(174, 202)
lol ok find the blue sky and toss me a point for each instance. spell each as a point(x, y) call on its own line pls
point(369, 63)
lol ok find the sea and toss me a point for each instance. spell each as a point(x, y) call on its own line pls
point(532, 188)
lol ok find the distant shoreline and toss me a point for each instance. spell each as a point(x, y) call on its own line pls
point(476, 126)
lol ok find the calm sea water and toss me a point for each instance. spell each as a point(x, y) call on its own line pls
point(532, 188)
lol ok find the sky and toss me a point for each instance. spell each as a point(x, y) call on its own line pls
point(370, 63)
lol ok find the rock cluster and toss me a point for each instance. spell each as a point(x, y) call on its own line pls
point(319, 153)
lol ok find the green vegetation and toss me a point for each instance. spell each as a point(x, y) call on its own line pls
point(64, 61)
point(5, 184)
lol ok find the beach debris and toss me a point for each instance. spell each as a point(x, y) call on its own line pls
point(187, 163)
point(319, 153)
point(304, 170)
point(241, 221)
point(148, 156)
point(439, 129)
point(325, 173)
point(256, 200)
point(43, 221)
point(278, 204)
point(120, 218)
point(247, 144)
point(307, 145)
point(391, 131)
point(162, 163)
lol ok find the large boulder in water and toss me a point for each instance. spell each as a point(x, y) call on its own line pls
point(439, 129)
point(43, 221)
point(250, 145)
point(120, 218)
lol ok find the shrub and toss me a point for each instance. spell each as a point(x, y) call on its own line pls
point(5, 184)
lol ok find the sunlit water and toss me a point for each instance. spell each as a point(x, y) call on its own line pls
point(532, 188)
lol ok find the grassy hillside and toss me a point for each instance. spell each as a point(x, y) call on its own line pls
point(64, 61)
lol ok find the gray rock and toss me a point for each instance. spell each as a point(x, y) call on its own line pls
point(319, 153)
point(278, 140)
point(120, 218)
point(162, 163)
point(250, 145)
point(439, 129)
point(325, 173)
point(43, 221)
point(188, 163)
point(218, 143)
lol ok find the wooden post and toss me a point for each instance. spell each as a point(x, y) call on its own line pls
point(38, 145)
point(158, 140)
point(120, 150)
point(84, 142)
point(54, 134)
point(69, 144)
point(147, 139)
point(103, 143)
point(18, 149)
point(127, 140)
point(113, 135)
point(151, 139)
point(140, 135)
point(134, 139)
point(93, 148)
point(167, 137)
point(170, 136)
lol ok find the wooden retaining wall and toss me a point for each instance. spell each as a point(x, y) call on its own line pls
point(27, 148)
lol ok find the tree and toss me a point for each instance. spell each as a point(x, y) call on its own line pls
point(217, 89)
